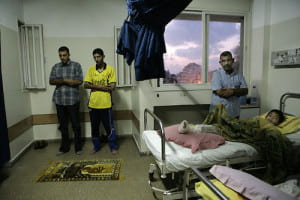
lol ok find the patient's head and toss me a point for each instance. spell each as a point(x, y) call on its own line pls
point(275, 117)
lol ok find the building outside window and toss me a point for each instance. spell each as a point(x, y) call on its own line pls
point(194, 42)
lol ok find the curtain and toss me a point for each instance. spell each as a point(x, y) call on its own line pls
point(142, 36)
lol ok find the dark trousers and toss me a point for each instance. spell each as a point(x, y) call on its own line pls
point(105, 116)
point(64, 114)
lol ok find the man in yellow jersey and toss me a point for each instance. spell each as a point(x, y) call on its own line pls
point(101, 79)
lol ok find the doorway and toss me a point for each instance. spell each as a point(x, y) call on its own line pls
point(4, 143)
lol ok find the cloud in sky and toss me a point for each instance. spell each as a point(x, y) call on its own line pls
point(181, 55)
point(184, 42)
point(183, 31)
point(224, 45)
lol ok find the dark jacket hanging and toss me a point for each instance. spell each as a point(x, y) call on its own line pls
point(142, 36)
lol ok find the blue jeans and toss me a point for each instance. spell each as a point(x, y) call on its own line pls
point(105, 116)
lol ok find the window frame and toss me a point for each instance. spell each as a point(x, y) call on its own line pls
point(124, 72)
point(26, 60)
point(158, 85)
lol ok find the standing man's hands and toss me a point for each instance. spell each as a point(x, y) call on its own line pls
point(72, 82)
point(65, 81)
point(105, 88)
point(228, 92)
point(225, 92)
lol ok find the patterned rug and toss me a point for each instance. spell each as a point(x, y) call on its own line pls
point(84, 170)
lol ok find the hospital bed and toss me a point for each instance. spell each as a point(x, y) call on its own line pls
point(174, 162)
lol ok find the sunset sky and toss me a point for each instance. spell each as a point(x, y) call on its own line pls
point(184, 42)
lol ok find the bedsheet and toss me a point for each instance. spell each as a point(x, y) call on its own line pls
point(179, 158)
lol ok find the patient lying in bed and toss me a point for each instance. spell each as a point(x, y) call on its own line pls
point(274, 116)
point(274, 148)
point(261, 132)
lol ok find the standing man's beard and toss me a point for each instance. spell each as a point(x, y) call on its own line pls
point(64, 62)
point(228, 69)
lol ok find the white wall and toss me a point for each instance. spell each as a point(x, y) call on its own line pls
point(276, 26)
point(10, 12)
point(17, 102)
point(285, 31)
point(76, 18)
point(85, 25)
point(82, 26)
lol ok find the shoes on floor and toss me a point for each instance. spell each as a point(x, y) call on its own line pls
point(60, 153)
point(79, 152)
point(114, 152)
point(93, 152)
point(40, 144)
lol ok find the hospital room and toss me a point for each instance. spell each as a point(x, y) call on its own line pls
point(162, 135)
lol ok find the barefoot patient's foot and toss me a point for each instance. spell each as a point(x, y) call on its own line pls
point(183, 127)
point(184, 124)
point(114, 152)
point(93, 152)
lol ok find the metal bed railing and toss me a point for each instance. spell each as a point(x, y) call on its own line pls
point(211, 186)
point(199, 174)
point(163, 139)
point(163, 163)
point(285, 96)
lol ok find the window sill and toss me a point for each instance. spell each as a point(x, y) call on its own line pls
point(180, 87)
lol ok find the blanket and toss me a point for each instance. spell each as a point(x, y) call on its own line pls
point(275, 149)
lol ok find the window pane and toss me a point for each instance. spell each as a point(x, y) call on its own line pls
point(31, 43)
point(183, 37)
point(30, 60)
point(225, 34)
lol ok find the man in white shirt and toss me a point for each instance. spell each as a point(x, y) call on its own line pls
point(228, 85)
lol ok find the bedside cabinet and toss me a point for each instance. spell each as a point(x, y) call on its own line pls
point(249, 111)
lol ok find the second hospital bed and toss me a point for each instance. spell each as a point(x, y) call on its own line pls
point(172, 158)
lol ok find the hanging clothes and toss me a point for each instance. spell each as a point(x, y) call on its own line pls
point(142, 36)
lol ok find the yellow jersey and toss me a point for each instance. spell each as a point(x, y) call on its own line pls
point(100, 99)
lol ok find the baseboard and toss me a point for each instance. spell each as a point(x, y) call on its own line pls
point(12, 161)
point(142, 153)
point(20, 127)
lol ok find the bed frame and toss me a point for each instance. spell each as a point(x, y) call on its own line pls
point(184, 189)
point(284, 97)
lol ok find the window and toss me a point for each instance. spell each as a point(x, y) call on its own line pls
point(183, 42)
point(123, 70)
point(194, 42)
point(32, 56)
point(224, 33)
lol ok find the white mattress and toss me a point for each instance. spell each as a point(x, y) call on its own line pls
point(295, 138)
point(180, 158)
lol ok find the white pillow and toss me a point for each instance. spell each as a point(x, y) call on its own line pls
point(247, 185)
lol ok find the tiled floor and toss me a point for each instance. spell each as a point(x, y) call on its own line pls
point(19, 184)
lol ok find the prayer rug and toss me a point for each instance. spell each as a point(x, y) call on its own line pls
point(81, 170)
